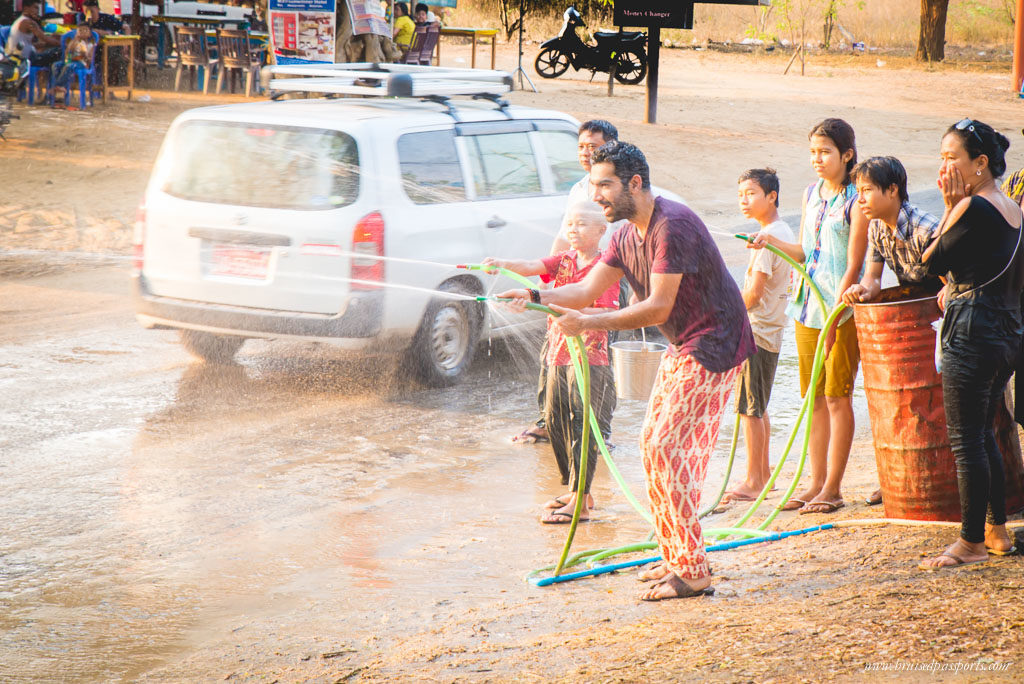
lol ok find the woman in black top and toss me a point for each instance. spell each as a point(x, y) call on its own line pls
point(980, 255)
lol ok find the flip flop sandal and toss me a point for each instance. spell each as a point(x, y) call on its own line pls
point(874, 499)
point(830, 507)
point(793, 505)
point(960, 562)
point(557, 502)
point(685, 591)
point(1012, 551)
point(560, 519)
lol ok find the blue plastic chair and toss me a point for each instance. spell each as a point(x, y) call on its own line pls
point(87, 77)
point(38, 76)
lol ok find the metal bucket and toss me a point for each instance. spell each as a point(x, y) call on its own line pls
point(635, 365)
point(916, 468)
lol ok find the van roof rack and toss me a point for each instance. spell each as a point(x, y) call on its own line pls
point(385, 80)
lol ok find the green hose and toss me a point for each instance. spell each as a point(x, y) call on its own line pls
point(808, 403)
point(595, 429)
point(581, 369)
point(805, 405)
point(728, 471)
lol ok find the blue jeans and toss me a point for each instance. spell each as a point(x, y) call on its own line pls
point(979, 352)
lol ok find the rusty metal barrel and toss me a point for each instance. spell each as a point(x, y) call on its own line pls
point(916, 468)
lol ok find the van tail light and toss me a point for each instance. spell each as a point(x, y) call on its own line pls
point(367, 247)
point(138, 238)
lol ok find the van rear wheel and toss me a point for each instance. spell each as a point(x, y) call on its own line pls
point(445, 344)
point(211, 347)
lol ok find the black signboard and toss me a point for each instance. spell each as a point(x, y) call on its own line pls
point(676, 14)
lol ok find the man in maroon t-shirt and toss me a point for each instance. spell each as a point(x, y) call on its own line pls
point(683, 287)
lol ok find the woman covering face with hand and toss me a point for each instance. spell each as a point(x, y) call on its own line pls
point(979, 254)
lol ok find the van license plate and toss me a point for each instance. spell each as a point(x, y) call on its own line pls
point(238, 262)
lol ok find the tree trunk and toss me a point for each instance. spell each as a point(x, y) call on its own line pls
point(932, 41)
point(363, 48)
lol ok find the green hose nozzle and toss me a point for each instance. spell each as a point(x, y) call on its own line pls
point(529, 305)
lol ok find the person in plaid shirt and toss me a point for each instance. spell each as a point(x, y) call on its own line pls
point(898, 232)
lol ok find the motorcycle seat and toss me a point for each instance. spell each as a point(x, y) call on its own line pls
point(601, 36)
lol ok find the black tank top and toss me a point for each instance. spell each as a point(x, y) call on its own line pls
point(975, 250)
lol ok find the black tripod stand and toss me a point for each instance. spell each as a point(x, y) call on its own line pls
point(519, 70)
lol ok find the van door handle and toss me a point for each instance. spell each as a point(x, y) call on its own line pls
point(495, 222)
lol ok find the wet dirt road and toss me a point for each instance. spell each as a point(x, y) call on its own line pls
point(155, 507)
point(294, 517)
point(165, 517)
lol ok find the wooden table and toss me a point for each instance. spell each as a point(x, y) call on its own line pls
point(118, 41)
point(473, 33)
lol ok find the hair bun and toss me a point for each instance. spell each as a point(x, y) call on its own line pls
point(1002, 141)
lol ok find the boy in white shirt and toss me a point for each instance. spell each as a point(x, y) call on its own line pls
point(765, 294)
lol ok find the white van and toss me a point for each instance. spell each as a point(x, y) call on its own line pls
point(266, 220)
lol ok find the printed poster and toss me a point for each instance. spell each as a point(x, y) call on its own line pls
point(302, 31)
point(368, 17)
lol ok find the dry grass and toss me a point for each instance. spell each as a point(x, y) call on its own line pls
point(978, 24)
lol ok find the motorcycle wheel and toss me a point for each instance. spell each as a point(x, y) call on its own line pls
point(631, 67)
point(551, 63)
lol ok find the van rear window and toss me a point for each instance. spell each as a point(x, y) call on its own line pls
point(254, 165)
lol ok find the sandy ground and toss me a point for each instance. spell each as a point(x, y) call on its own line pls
point(818, 607)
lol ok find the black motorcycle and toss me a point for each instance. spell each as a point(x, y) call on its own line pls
point(625, 49)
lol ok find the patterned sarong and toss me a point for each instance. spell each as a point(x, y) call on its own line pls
point(678, 436)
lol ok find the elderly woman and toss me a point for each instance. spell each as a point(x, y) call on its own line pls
point(979, 254)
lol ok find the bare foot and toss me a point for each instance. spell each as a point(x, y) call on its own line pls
point(532, 435)
point(959, 553)
point(656, 572)
point(997, 540)
point(674, 586)
point(743, 492)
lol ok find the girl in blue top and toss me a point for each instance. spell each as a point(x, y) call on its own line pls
point(832, 246)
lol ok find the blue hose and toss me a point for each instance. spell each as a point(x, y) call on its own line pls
point(725, 546)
